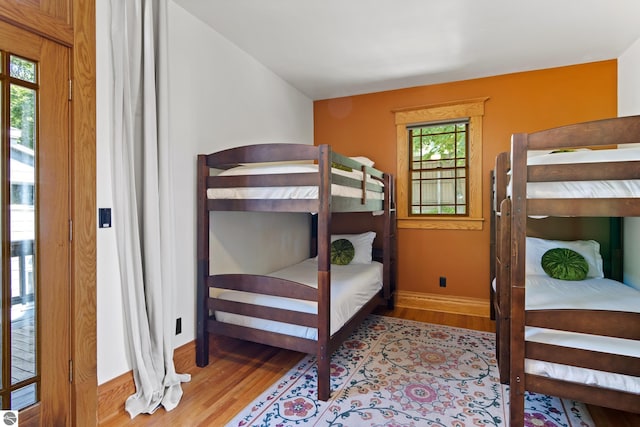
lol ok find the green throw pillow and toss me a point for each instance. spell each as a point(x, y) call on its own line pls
point(341, 167)
point(342, 252)
point(565, 264)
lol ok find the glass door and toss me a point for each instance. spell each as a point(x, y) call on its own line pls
point(19, 299)
point(35, 228)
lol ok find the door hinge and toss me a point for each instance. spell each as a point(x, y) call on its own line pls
point(71, 230)
point(70, 88)
point(70, 371)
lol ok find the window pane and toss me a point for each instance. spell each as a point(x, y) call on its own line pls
point(461, 191)
point(23, 397)
point(429, 174)
point(23, 346)
point(22, 69)
point(23, 107)
point(461, 144)
point(447, 173)
point(447, 192)
point(23, 144)
point(438, 168)
point(448, 163)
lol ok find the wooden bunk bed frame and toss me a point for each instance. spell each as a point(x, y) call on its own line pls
point(510, 227)
point(322, 207)
point(607, 231)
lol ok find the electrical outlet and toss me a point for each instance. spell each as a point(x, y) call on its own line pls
point(443, 282)
point(178, 325)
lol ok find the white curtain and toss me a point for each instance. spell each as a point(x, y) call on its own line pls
point(143, 220)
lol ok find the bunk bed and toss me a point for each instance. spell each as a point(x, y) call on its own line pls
point(312, 306)
point(581, 340)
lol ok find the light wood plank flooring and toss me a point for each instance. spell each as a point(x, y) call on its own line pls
point(239, 371)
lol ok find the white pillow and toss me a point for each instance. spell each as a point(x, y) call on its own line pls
point(364, 160)
point(362, 243)
point(589, 249)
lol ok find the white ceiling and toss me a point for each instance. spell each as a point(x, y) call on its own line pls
point(332, 48)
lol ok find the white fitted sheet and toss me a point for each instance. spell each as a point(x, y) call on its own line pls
point(288, 192)
point(583, 189)
point(352, 286)
point(544, 292)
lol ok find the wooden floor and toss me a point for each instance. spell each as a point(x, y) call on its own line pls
point(23, 354)
point(240, 371)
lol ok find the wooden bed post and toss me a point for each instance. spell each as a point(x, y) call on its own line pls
point(389, 236)
point(518, 267)
point(503, 290)
point(501, 217)
point(323, 354)
point(493, 203)
point(202, 312)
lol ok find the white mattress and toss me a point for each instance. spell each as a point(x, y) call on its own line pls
point(288, 192)
point(351, 287)
point(583, 189)
point(599, 294)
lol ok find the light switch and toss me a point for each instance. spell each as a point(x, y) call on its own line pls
point(104, 217)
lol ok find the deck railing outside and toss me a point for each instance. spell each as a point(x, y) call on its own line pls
point(21, 272)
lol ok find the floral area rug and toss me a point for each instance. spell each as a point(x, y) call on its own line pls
point(401, 373)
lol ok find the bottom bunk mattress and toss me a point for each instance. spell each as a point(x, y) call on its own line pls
point(352, 286)
point(544, 292)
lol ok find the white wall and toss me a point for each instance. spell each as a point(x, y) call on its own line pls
point(629, 104)
point(219, 97)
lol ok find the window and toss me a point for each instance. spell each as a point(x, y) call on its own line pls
point(439, 170)
point(22, 194)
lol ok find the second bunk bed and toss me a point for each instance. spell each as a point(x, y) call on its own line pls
point(312, 306)
point(562, 327)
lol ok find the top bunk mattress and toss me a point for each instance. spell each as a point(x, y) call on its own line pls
point(290, 192)
point(582, 189)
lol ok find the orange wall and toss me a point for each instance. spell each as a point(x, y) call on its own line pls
point(520, 102)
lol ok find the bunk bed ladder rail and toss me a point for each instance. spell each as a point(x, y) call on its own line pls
point(389, 236)
point(323, 354)
point(202, 312)
point(503, 290)
point(502, 257)
point(517, 278)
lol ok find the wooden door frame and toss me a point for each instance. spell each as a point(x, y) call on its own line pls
point(78, 32)
point(84, 387)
